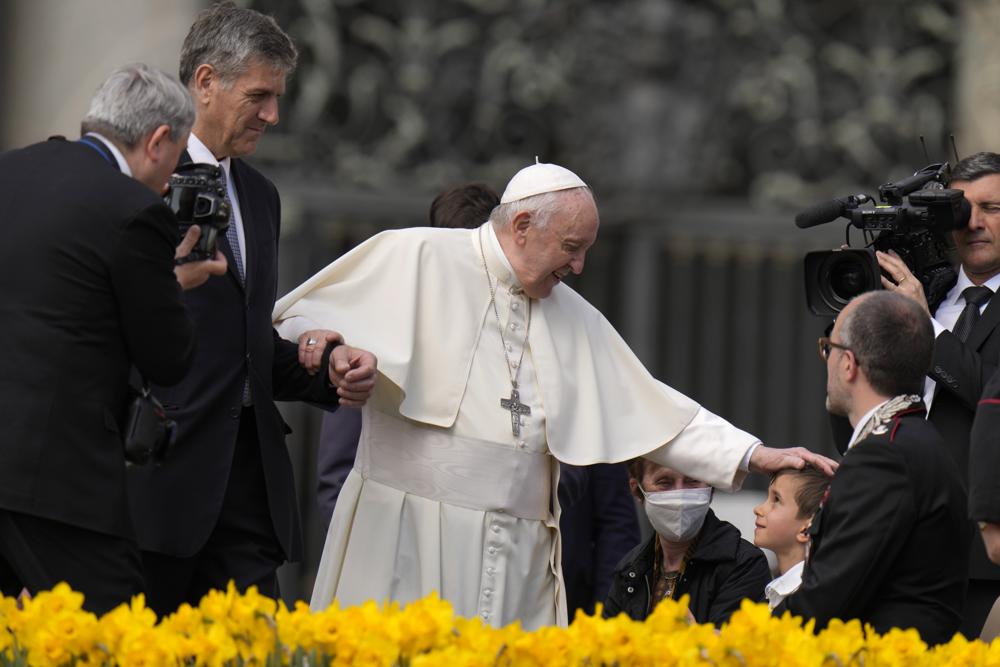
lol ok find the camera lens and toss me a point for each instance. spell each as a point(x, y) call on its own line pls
point(848, 278)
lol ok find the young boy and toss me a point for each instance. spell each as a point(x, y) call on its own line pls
point(783, 525)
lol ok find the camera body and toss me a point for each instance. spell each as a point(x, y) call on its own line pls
point(915, 221)
point(149, 434)
point(197, 196)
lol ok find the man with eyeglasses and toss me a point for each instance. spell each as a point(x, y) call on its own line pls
point(966, 347)
point(890, 541)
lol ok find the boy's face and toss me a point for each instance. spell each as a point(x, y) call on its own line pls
point(777, 527)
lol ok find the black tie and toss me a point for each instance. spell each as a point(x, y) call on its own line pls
point(975, 297)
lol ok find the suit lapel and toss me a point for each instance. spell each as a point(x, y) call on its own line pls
point(986, 324)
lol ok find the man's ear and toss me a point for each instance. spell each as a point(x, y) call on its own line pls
point(155, 145)
point(802, 537)
point(520, 225)
point(203, 83)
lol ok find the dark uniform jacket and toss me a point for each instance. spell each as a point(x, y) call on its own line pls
point(890, 543)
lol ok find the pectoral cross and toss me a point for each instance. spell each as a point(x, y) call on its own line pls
point(517, 408)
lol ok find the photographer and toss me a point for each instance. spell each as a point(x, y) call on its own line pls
point(90, 289)
point(967, 344)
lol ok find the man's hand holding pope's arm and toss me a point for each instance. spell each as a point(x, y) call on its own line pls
point(771, 460)
point(353, 372)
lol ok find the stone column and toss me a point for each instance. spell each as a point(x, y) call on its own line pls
point(58, 52)
point(977, 90)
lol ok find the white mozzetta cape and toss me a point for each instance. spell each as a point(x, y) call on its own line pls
point(442, 496)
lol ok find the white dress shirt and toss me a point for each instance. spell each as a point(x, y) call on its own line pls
point(785, 585)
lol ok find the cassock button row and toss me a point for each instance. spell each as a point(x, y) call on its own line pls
point(513, 326)
point(510, 348)
point(495, 528)
point(521, 444)
point(492, 550)
point(488, 592)
point(490, 571)
point(514, 305)
point(485, 615)
point(514, 363)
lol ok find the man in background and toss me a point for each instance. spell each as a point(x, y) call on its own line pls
point(90, 290)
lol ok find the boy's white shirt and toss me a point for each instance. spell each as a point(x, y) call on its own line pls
point(785, 585)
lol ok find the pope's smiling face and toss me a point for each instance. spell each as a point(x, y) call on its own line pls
point(546, 254)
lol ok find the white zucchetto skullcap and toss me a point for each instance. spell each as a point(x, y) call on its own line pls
point(540, 178)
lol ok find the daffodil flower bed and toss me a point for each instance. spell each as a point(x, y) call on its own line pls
point(230, 629)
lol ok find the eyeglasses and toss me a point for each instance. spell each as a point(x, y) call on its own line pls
point(825, 345)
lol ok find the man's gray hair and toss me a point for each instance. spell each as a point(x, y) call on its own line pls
point(542, 207)
point(230, 39)
point(135, 100)
point(892, 339)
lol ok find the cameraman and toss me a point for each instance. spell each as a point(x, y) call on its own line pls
point(967, 344)
point(89, 290)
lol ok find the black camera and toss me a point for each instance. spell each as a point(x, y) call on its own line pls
point(914, 219)
point(149, 434)
point(197, 196)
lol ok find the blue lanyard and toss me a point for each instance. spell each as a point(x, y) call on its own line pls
point(90, 142)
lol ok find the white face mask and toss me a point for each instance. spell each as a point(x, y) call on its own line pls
point(677, 515)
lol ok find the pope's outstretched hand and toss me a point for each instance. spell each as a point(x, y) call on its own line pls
point(771, 460)
point(353, 371)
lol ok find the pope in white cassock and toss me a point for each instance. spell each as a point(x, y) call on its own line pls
point(490, 369)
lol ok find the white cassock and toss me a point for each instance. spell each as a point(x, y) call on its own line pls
point(443, 496)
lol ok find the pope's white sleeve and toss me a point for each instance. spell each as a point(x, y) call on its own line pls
point(709, 449)
point(294, 327)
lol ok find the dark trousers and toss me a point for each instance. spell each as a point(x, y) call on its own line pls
point(36, 554)
point(242, 547)
point(979, 599)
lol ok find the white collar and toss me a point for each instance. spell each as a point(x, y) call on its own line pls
point(119, 157)
point(955, 294)
point(784, 585)
point(498, 250)
point(864, 420)
point(199, 152)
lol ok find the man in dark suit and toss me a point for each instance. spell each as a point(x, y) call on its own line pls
point(890, 542)
point(90, 289)
point(223, 506)
point(984, 455)
point(967, 345)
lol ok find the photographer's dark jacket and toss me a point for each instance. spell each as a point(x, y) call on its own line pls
point(175, 505)
point(723, 570)
point(86, 270)
point(891, 542)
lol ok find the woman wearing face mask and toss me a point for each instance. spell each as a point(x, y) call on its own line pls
point(692, 552)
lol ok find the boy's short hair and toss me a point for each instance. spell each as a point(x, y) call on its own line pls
point(813, 484)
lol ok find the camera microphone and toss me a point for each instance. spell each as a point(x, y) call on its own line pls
point(820, 214)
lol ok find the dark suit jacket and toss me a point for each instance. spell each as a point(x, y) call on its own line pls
point(984, 456)
point(890, 544)
point(176, 504)
point(86, 270)
point(961, 371)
